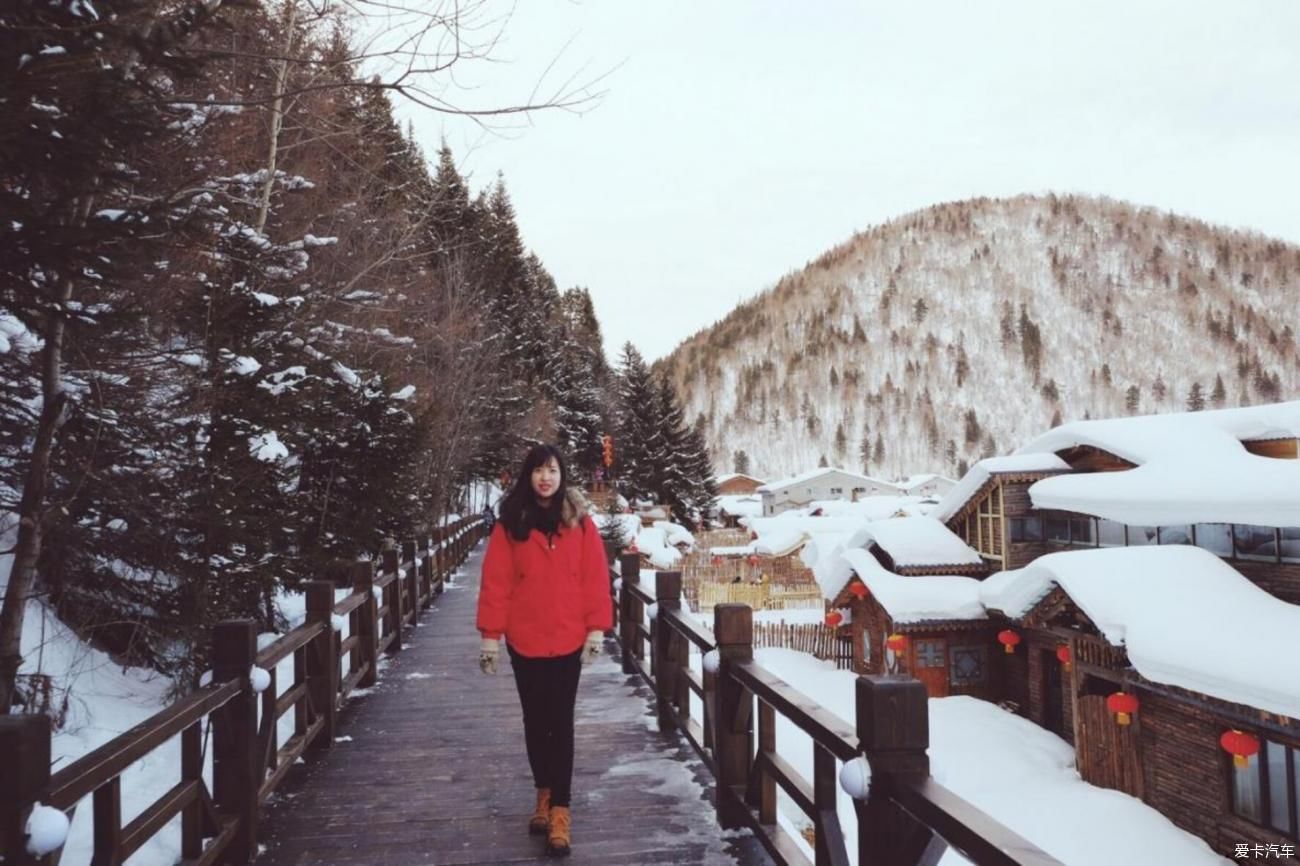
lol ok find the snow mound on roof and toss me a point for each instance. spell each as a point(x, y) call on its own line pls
point(973, 480)
point(921, 541)
point(917, 599)
point(1175, 609)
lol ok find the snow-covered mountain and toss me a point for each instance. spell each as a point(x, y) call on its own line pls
point(961, 330)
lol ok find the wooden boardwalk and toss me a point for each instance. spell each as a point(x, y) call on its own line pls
point(431, 769)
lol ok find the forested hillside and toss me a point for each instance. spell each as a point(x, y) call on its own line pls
point(961, 330)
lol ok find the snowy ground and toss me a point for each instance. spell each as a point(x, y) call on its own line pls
point(1017, 772)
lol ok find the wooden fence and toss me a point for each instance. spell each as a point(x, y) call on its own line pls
point(816, 640)
point(760, 596)
point(248, 761)
point(909, 819)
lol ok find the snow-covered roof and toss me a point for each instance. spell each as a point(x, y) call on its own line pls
point(741, 505)
point(866, 508)
point(973, 480)
point(921, 541)
point(746, 550)
point(1191, 468)
point(780, 542)
point(913, 481)
point(804, 478)
point(1186, 618)
point(917, 599)
point(731, 476)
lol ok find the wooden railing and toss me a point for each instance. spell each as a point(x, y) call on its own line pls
point(248, 761)
point(908, 819)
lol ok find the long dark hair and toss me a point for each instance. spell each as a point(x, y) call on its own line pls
point(520, 511)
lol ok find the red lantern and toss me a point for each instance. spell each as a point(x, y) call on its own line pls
point(717, 560)
point(1063, 655)
point(834, 618)
point(858, 590)
point(1240, 745)
point(896, 642)
point(753, 559)
point(1123, 705)
point(1008, 639)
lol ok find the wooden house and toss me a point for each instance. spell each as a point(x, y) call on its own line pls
point(912, 578)
point(926, 486)
point(827, 483)
point(737, 484)
point(1152, 625)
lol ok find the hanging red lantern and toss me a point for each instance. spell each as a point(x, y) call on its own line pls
point(834, 618)
point(1123, 705)
point(896, 642)
point(1240, 745)
point(753, 559)
point(1063, 655)
point(1008, 639)
point(717, 560)
point(858, 590)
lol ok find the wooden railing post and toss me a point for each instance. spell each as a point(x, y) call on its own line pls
point(426, 572)
point(235, 756)
point(389, 564)
point(412, 578)
point(363, 581)
point(323, 661)
point(893, 726)
point(25, 755)
point(630, 569)
point(668, 596)
point(733, 723)
point(439, 559)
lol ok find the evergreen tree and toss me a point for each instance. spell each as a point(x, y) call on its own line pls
point(1195, 398)
point(1132, 397)
point(1219, 395)
point(638, 438)
point(740, 462)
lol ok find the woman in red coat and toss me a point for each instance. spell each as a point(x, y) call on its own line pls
point(546, 588)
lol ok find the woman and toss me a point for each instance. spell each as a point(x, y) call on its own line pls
point(546, 588)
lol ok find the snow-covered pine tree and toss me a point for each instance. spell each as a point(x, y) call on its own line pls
point(638, 439)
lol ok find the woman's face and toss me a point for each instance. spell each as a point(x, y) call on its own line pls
point(546, 480)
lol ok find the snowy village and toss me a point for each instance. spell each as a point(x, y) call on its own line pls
point(472, 433)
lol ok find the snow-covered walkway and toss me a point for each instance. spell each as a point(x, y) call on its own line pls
point(431, 769)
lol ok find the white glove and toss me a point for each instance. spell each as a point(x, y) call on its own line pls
point(593, 647)
point(488, 650)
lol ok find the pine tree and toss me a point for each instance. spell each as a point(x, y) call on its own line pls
point(1158, 389)
point(1195, 398)
point(1219, 395)
point(740, 463)
point(638, 436)
point(878, 452)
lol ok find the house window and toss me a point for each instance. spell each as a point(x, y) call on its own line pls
point(1215, 537)
point(1110, 533)
point(1254, 542)
point(967, 665)
point(929, 654)
point(1141, 536)
point(1175, 535)
point(1081, 532)
point(1026, 529)
point(1267, 790)
point(988, 528)
point(835, 491)
point(1290, 545)
point(1058, 530)
point(859, 490)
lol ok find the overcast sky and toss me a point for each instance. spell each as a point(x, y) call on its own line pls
point(736, 140)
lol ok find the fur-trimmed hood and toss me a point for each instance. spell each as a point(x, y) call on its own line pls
point(575, 507)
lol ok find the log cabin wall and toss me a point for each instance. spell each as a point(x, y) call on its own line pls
point(1011, 671)
point(1186, 774)
point(1107, 753)
point(1015, 497)
point(1278, 579)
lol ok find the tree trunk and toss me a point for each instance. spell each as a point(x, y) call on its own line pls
point(31, 515)
point(277, 114)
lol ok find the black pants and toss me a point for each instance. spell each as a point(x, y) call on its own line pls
point(548, 689)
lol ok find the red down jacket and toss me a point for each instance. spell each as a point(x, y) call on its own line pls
point(545, 595)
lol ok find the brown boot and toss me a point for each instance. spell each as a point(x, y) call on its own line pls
point(557, 839)
point(541, 817)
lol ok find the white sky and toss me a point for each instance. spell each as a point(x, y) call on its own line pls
point(737, 140)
